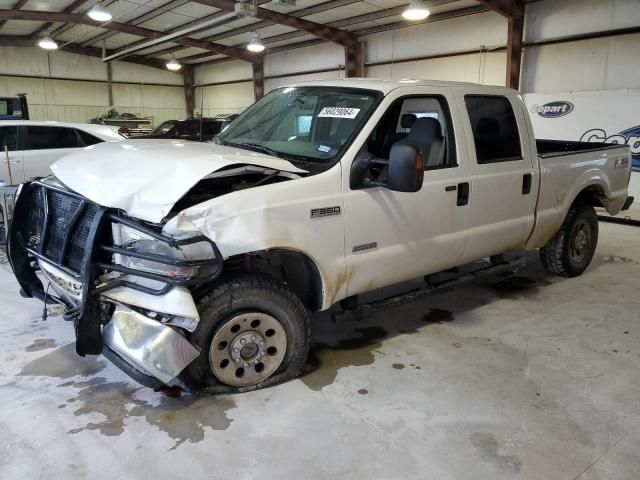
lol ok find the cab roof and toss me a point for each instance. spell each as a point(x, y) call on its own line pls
point(387, 85)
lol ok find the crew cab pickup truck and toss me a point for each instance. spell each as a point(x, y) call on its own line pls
point(199, 264)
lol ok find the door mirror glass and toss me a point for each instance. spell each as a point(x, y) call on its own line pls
point(406, 169)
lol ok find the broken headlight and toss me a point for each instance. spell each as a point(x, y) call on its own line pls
point(150, 255)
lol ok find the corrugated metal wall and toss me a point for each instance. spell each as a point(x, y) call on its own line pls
point(84, 97)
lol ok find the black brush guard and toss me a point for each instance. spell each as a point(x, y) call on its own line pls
point(70, 232)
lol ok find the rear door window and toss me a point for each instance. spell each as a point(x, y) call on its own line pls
point(45, 137)
point(8, 139)
point(495, 130)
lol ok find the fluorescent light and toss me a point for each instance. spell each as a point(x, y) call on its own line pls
point(48, 43)
point(173, 65)
point(99, 13)
point(416, 11)
point(255, 45)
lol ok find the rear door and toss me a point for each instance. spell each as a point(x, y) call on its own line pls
point(502, 194)
point(44, 145)
point(11, 167)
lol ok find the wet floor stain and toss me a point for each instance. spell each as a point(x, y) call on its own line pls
point(617, 259)
point(516, 286)
point(183, 418)
point(325, 360)
point(487, 447)
point(41, 344)
point(437, 315)
point(398, 366)
point(63, 362)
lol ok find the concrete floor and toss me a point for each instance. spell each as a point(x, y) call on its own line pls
point(537, 378)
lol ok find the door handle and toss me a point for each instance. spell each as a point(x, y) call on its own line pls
point(526, 184)
point(463, 194)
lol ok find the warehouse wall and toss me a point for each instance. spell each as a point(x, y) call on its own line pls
point(599, 64)
point(73, 88)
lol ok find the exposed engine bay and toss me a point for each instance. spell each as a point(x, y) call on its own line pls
point(228, 180)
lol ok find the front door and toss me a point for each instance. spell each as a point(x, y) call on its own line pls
point(11, 167)
point(395, 236)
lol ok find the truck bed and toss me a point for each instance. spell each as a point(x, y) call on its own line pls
point(554, 148)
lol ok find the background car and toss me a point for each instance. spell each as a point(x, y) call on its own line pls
point(28, 148)
point(194, 129)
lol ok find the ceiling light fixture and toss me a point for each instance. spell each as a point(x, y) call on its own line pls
point(255, 45)
point(48, 43)
point(416, 11)
point(99, 13)
point(173, 65)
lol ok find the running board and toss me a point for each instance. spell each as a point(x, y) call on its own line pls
point(623, 221)
point(491, 269)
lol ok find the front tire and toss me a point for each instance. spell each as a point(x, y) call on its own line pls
point(253, 333)
point(570, 251)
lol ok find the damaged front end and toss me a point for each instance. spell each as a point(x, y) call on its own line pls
point(122, 282)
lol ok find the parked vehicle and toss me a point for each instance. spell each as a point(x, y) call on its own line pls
point(199, 264)
point(14, 108)
point(28, 148)
point(194, 129)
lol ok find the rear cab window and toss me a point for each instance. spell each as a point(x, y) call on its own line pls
point(495, 129)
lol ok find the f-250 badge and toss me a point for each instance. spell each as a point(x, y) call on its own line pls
point(324, 212)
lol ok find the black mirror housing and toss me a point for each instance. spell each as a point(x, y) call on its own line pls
point(406, 169)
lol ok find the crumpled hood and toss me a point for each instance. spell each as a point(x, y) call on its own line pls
point(145, 178)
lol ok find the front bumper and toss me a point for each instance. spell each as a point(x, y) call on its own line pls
point(62, 240)
point(149, 347)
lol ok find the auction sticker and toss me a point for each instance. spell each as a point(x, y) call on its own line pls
point(339, 112)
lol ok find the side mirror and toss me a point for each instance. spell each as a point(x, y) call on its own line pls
point(406, 169)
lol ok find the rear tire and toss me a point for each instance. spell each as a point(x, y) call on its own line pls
point(570, 251)
point(253, 333)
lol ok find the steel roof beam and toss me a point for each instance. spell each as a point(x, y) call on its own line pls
point(17, 6)
point(156, 12)
point(64, 27)
point(506, 8)
point(22, 41)
point(334, 35)
point(48, 25)
point(239, 53)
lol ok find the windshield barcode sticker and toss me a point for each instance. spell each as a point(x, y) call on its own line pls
point(339, 112)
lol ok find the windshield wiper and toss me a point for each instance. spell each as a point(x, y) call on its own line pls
point(261, 148)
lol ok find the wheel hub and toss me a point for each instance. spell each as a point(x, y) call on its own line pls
point(579, 241)
point(247, 349)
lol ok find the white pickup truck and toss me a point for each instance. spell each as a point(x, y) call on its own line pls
point(198, 264)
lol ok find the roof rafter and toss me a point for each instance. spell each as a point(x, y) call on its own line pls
point(48, 25)
point(334, 35)
point(389, 12)
point(156, 12)
point(506, 8)
point(19, 4)
point(239, 53)
point(22, 41)
point(64, 27)
point(303, 13)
